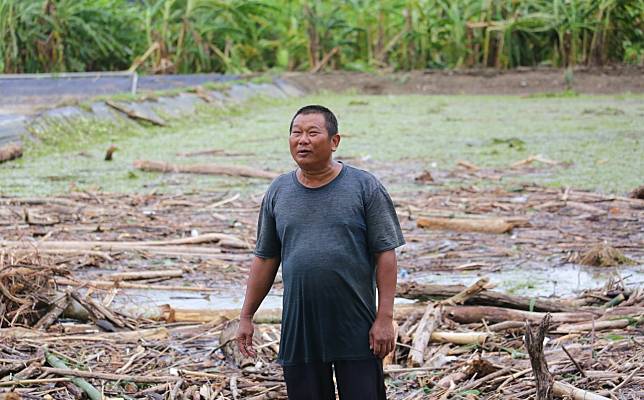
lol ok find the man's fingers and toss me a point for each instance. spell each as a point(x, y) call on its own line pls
point(249, 345)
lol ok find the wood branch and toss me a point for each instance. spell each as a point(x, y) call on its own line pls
point(10, 152)
point(135, 114)
point(566, 390)
point(425, 292)
point(177, 245)
point(110, 377)
point(138, 275)
point(204, 169)
point(589, 326)
point(534, 345)
point(325, 60)
point(460, 338)
point(473, 314)
point(484, 225)
point(110, 152)
point(428, 323)
point(128, 285)
point(57, 307)
point(462, 296)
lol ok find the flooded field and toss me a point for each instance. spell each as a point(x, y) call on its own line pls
point(158, 261)
point(597, 140)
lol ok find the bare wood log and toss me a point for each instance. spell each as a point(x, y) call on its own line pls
point(138, 275)
point(566, 390)
point(460, 337)
point(534, 345)
point(110, 377)
point(99, 284)
point(428, 323)
point(589, 326)
point(501, 326)
point(425, 292)
point(173, 244)
point(467, 293)
point(488, 225)
point(10, 152)
point(204, 169)
point(472, 314)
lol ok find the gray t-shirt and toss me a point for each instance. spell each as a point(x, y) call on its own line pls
point(326, 238)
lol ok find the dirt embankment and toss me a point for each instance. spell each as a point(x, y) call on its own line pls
point(514, 82)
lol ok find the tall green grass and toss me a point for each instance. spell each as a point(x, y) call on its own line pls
point(240, 36)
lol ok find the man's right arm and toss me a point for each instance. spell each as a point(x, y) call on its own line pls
point(261, 278)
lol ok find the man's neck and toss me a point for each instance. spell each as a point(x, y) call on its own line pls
point(319, 177)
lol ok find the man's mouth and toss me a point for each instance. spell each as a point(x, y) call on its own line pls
point(303, 152)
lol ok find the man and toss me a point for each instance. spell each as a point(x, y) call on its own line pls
point(334, 229)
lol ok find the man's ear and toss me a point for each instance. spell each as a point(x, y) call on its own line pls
point(335, 141)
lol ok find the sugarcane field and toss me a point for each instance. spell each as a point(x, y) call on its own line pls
point(174, 226)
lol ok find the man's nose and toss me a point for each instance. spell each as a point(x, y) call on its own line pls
point(303, 139)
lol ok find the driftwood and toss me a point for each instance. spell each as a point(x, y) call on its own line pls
point(110, 152)
point(473, 314)
point(10, 152)
point(562, 389)
point(467, 293)
point(221, 239)
point(58, 306)
point(485, 225)
point(204, 169)
point(138, 275)
point(424, 292)
point(428, 323)
point(593, 326)
point(534, 345)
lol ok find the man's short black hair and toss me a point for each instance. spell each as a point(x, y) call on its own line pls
point(329, 118)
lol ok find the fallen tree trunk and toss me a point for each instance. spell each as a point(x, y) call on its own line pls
point(473, 314)
point(138, 275)
point(204, 169)
point(426, 292)
point(485, 225)
point(10, 152)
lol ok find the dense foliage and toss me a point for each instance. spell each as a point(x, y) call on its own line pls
point(242, 35)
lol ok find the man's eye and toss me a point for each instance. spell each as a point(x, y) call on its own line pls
point(296, 133)
point(313, 133)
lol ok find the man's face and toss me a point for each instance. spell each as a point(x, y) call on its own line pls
point(309, 141)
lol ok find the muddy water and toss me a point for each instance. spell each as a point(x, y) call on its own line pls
point(537, 279)
point(529, 279)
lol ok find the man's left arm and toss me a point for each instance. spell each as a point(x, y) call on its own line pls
point(382, 338)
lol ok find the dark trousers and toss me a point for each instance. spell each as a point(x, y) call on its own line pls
point(357, 380)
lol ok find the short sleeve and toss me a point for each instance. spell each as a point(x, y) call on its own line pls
point(268, 243)
point(383, 228)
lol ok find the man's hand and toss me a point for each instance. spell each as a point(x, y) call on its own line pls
point(245, 337)
point(382, 339)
